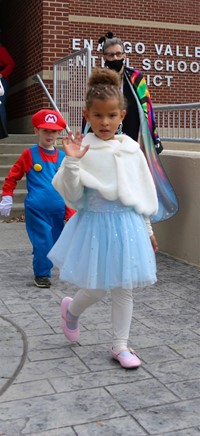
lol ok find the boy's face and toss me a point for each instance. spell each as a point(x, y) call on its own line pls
point(47, 137)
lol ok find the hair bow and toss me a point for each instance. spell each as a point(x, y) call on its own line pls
point(108, 35)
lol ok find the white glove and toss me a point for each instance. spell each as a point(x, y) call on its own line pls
point(6, 205)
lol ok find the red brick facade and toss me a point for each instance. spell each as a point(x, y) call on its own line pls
point(163, 37)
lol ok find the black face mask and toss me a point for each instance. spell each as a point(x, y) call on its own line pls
point(115, 65)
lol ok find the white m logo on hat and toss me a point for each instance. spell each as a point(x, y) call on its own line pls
point(51, 118)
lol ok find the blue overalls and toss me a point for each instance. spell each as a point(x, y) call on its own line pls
point(44, 210)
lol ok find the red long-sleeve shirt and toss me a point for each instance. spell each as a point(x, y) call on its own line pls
point(7, 64)
point(22, 166)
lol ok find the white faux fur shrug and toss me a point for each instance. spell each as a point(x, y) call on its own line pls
point(116, 168)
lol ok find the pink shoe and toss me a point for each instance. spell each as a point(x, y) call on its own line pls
point(127, 358)
point(72, 335)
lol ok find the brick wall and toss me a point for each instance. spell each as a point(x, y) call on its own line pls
point(41, 31)
point(179, 11)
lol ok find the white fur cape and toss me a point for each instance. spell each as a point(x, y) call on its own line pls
point(116, 168)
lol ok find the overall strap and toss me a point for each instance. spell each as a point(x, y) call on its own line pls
point(36, 157)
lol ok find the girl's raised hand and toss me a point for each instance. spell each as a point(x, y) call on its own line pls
point(73, 148)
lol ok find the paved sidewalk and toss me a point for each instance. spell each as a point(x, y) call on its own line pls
point(51, 388)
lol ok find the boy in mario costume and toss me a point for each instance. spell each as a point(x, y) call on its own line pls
point(45, 210)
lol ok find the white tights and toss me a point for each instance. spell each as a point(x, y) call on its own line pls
point(122, 308)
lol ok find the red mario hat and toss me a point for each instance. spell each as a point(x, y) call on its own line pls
point(48, 119)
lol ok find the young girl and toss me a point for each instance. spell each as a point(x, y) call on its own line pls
point(109, 243)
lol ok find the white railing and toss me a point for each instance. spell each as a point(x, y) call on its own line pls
point(178, 122)
point(70, 76)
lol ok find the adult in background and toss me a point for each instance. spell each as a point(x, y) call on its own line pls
point(7, 65)
point(134, 88)
point(139, 122)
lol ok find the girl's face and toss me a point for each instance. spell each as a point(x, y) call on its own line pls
point(47, 138)
point(104, 117)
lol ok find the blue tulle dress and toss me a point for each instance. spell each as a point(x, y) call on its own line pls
point(105, 245)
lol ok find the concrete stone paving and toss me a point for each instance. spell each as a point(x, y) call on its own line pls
point(49, 387)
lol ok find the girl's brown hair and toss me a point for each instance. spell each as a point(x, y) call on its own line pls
point(104, 84)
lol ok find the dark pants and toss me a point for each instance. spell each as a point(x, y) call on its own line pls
point(3, 117)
